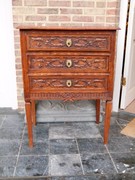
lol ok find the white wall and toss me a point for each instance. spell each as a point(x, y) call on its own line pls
point(8, 90)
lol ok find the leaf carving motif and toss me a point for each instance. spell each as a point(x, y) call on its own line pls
point(93, 63)
point(60, 42)
point(61, 83)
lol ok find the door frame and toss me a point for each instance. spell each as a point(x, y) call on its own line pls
point(124, 100)
point(119, 54)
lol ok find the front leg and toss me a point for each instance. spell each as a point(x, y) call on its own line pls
point(29, 122)
point(97, 111)
point(107, 120)
point(33, 112)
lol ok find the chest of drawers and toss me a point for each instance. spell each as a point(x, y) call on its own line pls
point(68, 64)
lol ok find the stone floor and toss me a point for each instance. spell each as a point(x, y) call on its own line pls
point(65, 151)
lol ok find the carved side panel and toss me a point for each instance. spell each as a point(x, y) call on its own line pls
point(60, 42)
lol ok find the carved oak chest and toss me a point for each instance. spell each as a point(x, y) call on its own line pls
point(68, 64)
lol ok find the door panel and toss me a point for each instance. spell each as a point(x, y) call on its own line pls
point(128, 91)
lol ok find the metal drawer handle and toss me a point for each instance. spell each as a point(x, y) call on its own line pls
point(69, 63)
point(69, 83)
point(68, 42)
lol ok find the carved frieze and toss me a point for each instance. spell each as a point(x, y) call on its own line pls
point(70, 96)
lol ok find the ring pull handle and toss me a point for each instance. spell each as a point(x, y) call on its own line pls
point(69, 42)
point(69, 83)
point(69, 63)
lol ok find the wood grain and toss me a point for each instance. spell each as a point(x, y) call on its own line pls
point(68, 64)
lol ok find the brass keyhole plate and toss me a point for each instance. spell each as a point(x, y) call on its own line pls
point(69, 42)
point(69, 83)
point(68, 63)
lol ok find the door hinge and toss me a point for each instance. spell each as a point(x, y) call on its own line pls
point(123, 81)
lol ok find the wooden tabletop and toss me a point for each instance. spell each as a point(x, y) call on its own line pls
point(69, 28)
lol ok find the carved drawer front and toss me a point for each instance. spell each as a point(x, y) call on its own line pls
point(68, 83)
point(76, 63)
point(69, 41)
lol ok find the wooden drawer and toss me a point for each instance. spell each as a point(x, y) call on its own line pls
point(68, 63)
point(71, 41)
point(69, 83)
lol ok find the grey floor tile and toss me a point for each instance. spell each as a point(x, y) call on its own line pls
point(113, 132)
point(116, 177)
point(7, 165)
point(132, 140)
point(120, 144)
point(86, 130)
point(6, 111)
point(63, 146)
point(93, 176)
point(125, 115)
point(9, 148)
point(40, 148)
point(2, 119)
point(61, 132)
point(11, 133)
point(98, 163)
point(32, 166)
point(31, 178)
point(74, 130)
point(92, 145)
point(68, 164)
point(122, 122)
point(40, 132)
point(113, 121)
point(125, 162)
point(13, 121)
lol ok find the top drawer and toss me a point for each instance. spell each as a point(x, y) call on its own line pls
point(68, 40)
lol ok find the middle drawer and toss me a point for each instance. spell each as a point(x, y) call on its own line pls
point(68, 63)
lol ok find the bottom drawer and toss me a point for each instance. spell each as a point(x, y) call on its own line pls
point(68, 83)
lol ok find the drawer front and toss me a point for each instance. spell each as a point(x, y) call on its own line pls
point(75, 63)
point(68, 83)
point(68, 41)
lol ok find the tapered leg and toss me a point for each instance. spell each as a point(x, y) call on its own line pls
point(107, 120)
point(29, 123)
point(33, 113)
point(97, 111)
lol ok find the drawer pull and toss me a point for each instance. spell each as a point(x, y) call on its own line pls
point(69, 83)
point(68, 42)
point(68, 63)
